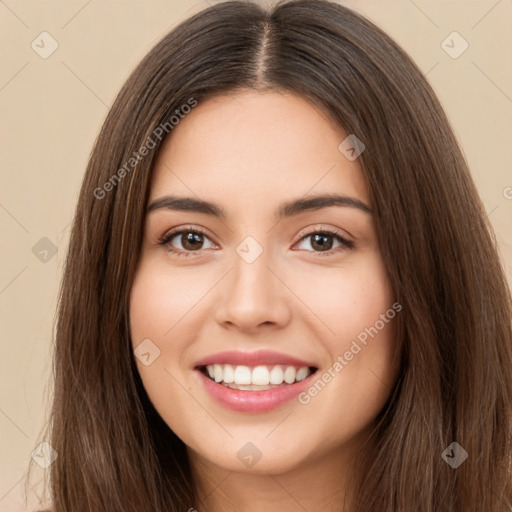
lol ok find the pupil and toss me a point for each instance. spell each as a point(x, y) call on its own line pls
point(192, 238)
point(320, 240)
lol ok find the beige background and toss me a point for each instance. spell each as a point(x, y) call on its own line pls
point(51, 111)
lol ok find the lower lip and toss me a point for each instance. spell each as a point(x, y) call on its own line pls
point(253, 401)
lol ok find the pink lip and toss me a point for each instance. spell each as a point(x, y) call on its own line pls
point(261, 357)
point(253, 401)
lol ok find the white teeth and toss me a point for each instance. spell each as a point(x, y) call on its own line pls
point(229, 374)
point(289, 375)
point(302, 373)
point(258, 375)
point(217, 372)
point(276, 375)
point(243, 375)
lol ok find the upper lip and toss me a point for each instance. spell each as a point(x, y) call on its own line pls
point(260, 357)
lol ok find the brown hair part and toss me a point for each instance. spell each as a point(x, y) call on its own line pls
point(115, 453)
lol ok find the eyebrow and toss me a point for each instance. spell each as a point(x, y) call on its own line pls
point(287, 209)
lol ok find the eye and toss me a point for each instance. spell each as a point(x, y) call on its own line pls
point(190, 241)
point(322, 242)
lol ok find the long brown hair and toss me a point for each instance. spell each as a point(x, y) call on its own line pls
point(115, 453)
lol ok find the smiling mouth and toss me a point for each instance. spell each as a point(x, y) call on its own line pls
point(256, 378)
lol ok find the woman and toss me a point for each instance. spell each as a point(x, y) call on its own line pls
point(281, 291)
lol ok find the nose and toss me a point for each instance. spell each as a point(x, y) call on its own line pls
point(253, 296)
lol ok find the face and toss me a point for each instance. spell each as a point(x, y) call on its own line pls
point(262, 321)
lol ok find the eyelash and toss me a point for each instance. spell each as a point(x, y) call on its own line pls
point(165, 240)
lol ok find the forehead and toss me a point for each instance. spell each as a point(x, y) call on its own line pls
point(252, 148)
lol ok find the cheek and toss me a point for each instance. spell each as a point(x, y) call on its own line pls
point(160, 298)
point(159, 301)
point(158, 307)
point(348, 300)
point(357, 305)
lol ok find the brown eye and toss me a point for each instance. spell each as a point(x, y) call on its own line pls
point(191, 241)
point(323, 242)
point(185, 241)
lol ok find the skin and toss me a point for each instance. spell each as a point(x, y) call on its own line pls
point(248, 152)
